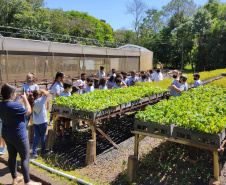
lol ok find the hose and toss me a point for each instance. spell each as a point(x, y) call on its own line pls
point(60, 173)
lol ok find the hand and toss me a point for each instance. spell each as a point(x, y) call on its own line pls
point(23, 96)
point(169, 87)
point(17, 95)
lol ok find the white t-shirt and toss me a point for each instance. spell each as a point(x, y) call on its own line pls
point(110, 85)
point(39, 111)
point(89, 89)
point(183, 87)
point(112, 74)
point(100, 74)
point(65, 94)
point(198, 83)
point(151, 77)
point(131, 79)
point(101, 87)
point(126, 80)
point(29, 89)
point(157, 76)
point(117, 86)
point(57, 88)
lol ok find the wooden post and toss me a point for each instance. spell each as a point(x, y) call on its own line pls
point(51, 137)
point(132, 168)
point(136, 145)
point(95, 139)
point(30, 133)
point(216, 165)
point(90, 152)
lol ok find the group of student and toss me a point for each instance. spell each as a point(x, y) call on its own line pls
point(179, 84)
point(14, 116)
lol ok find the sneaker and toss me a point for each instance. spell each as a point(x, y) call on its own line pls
point(50, 124)
point(3, 151)
point(34, 157)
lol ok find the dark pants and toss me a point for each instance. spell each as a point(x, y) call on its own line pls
point(23, 148)
point(40, 133)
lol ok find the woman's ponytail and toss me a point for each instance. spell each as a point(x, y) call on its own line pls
point(31, 100)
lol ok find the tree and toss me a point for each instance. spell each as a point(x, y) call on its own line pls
point(178, 6)
point(137, 9)
point(201, 26)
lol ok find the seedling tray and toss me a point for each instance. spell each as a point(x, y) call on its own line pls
point(136, 102)
point(154, 128)
point(125, 105)
point(145, 99)
point(159, 95)
point(198, 137)
point(86, 115)
point(152, 97)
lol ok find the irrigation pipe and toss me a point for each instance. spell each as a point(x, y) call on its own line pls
point(60, 173)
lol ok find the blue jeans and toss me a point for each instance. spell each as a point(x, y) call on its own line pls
point(40, 133)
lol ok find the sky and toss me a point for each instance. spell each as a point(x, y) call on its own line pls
point(112, 11)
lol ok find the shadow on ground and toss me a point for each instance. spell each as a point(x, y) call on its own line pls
point(165, 165)
point(69, 154)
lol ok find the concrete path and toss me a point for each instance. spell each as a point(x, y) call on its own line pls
point(5, 176)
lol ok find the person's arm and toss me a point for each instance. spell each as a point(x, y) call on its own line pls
point(161, 66)
point(26, 104)
point(44, 92)
point(17, 97)
point(124, 84)
point(173, 87)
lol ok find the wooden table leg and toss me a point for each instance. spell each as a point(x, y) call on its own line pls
point(54, 122)
point(93, 128)
point(216, 165)
point(136, 145)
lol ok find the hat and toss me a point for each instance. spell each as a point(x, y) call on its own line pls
point(183, 77)
point(79, 83)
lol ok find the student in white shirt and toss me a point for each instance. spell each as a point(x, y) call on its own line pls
point(113, 73)
point(37, 101)
point(29, 87)
point(158, 76)
point(103, 84)
point(133, 79)
point(66, 93)
point(56, 88)
point(101, 73)
point(183, 86)
point(151, 75)
point(67, 88)
point(198, 82)
point(119, 83)
point(125, 79)
point(111, 82)
point(144, 78)
point(89, 87)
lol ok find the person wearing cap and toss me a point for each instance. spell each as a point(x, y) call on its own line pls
point(183, 86)
point(158, 76)
point(175, 75)
point(198, 82)
point(80, 86)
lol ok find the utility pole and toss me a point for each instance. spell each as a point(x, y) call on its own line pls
point(182, 54)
